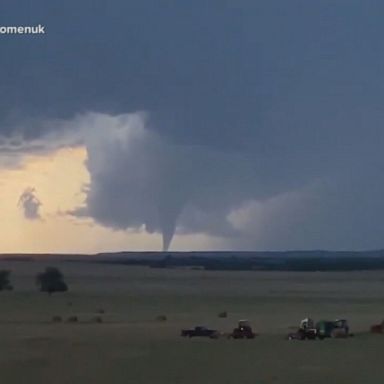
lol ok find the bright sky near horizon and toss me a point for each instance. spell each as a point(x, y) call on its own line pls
point(58, 179)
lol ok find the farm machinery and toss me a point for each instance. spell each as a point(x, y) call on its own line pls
point(377, 328)
point(243, 331)
point(323, 329)
point(335, 329)
point(306, 331)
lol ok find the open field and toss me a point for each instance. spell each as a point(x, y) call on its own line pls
point(130, 346)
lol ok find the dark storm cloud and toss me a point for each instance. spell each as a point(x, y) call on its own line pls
point(251, 104)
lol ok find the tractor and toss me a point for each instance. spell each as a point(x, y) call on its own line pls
point(306, 331)
point(324, 329)
point(243, 331)
point(336, 329)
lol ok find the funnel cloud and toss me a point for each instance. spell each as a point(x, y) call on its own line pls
point(139, 179)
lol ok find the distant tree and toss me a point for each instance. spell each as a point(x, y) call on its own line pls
point(4, 280)
point(51, 280)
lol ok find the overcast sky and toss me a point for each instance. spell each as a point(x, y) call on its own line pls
point(247, 124)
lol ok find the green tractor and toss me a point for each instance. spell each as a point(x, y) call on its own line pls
point(335, 329)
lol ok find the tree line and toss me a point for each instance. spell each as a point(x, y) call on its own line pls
point(50, 280)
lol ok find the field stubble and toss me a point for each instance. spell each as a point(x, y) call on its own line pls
point(131, 346)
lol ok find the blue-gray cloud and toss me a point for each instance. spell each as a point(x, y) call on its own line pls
point(247, 101)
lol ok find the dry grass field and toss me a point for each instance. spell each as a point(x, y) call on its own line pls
point(131, 346)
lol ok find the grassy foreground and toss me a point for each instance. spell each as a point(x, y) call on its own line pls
point(131, 346)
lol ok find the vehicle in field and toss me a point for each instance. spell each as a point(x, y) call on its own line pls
point(337, 328)
point(324, 329)
point(243, 331)
point(377, 328)
point(306, 331)
point(200, 331)
point(302, 335)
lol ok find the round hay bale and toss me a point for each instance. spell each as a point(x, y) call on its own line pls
point(72, 319)
point(223, 314)
point(161, 318)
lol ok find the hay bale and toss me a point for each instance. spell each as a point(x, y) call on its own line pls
point(57, 319)
point(72, 319)
point(161, 318)
point(223, 314)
